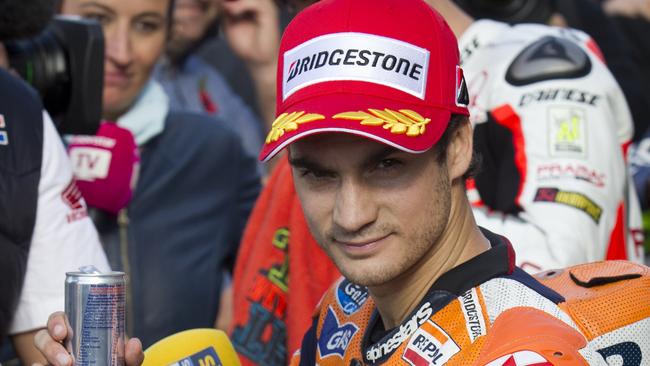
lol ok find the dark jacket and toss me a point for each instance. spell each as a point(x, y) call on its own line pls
point(21, 152)
point(182, 228)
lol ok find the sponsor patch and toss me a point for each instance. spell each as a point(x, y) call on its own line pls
point(335, 337)
point(430, 345)
point(473, 313)
point(350, 296)
point(206, 357)
point(356, 56)
point(71, 196)
point(559, 171)
point(567, 137)
point(521, 358)
point(568, 198)
point(559, 94)
point(385, 348)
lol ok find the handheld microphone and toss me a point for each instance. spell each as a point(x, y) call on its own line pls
point(194, 347)
point(105, 166)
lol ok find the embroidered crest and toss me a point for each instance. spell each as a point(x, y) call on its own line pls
point(404, 121)
point(287, 122)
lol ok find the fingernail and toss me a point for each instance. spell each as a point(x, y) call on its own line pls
point(63, 359)
point(58, 330)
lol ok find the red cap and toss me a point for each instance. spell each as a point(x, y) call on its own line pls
point(384, 69)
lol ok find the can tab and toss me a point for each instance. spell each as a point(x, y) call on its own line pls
point(90, 269)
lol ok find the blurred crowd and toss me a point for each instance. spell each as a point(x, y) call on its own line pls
point(211, 237)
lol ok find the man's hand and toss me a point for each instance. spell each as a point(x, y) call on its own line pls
point(50, 342)
point(252, 30)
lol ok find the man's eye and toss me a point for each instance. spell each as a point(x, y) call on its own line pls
point(388, 163)
point(316, 174)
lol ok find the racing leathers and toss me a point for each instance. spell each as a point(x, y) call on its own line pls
point(551, 126)
point(489, 312)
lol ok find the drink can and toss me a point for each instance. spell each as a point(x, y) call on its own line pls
point(95, 306)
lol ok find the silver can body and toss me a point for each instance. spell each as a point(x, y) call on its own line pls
point(95, 306)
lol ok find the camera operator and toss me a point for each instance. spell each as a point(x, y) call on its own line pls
point(44, 227)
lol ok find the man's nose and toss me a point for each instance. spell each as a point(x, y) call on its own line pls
point(354, 208)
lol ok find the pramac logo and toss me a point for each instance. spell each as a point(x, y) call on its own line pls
point(356, 56)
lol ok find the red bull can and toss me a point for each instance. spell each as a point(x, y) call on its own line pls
point(95, 306)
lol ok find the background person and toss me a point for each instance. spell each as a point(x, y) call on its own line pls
point(192, 84)
point(195, 189)
point(45, 230)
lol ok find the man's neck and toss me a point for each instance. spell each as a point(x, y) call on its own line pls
point(460, 241)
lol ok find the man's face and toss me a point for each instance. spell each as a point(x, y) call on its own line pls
point(375, 210)
point(192, 18)
point(135, 32)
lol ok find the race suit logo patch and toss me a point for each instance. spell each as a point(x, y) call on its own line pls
point(473, 313)
point(567, 137)
point(551, 95)
point(430, 345)
point(560, 171)
point(385, 348)
point(335, 337)
point(521, 358)
point(350, 297)
point(71, 196)
point(356, 56)
point(573, 199)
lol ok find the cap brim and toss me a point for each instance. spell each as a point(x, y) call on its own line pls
point(407, 127)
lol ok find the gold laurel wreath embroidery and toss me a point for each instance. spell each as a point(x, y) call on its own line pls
point(398, 122)
point(287, 122)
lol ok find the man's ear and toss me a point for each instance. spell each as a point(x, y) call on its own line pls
point(460, 149)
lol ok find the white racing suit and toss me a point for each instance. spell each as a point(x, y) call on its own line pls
point(552, 127)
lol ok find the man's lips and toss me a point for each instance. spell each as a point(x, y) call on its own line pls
point(364, 246)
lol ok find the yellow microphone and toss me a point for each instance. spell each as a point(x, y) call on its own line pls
point(194, 347)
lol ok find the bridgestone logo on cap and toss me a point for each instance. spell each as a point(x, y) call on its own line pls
point(356, 56)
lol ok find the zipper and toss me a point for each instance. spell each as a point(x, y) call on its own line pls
point(123, 223)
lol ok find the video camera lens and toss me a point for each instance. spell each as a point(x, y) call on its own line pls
point(65, 64)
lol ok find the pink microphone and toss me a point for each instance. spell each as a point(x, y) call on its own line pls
point(105, 166)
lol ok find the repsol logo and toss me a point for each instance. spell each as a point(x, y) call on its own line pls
point(359, 57)
point(383, 349)
point(356, 56)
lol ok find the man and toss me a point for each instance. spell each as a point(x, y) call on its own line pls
point(272, 309)
point(192, 84)
point(392, 213)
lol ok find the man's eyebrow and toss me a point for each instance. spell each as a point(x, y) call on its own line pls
point(304, 163)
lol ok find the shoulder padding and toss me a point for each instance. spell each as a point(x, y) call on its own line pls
point(548, 58)
point(602, 296)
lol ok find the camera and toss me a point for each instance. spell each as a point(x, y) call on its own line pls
point(510, 11)
point(65, 64)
